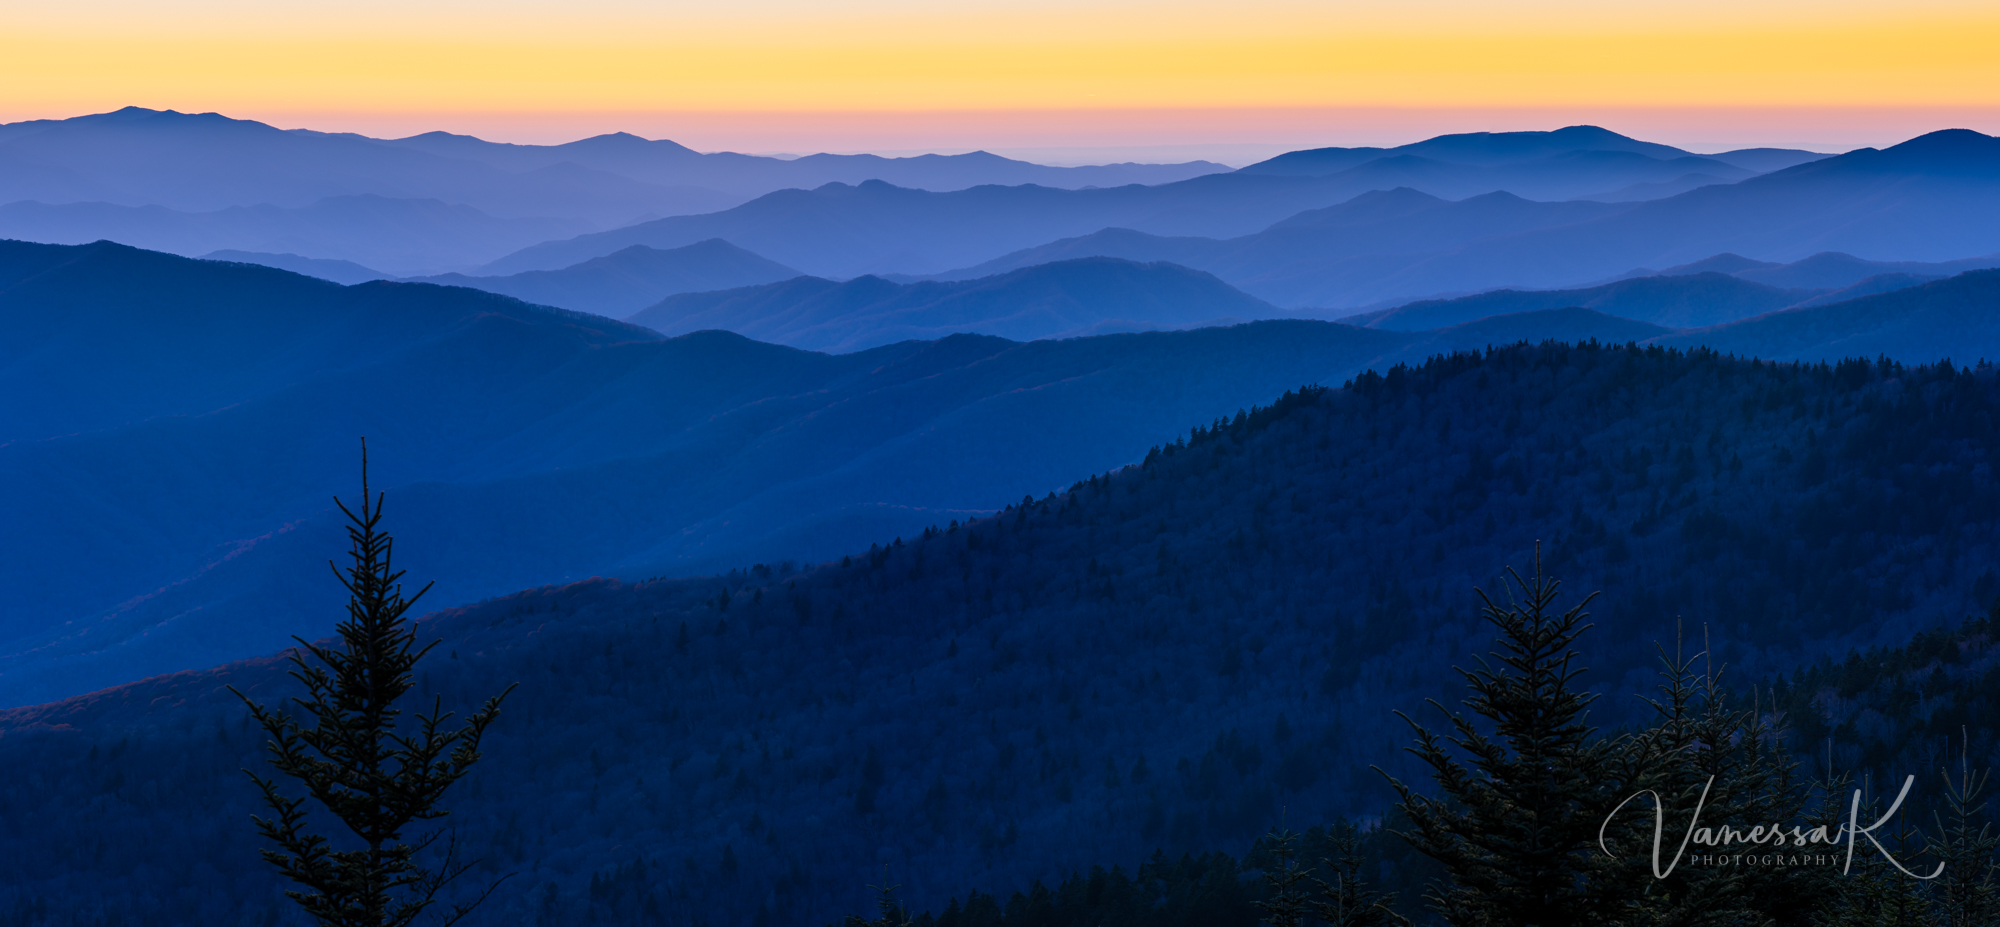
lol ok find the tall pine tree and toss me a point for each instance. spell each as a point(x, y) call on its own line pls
point(346, 748)
point(1517, 822)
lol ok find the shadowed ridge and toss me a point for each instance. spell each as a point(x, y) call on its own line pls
point(1121, 636)
point(1680, 301)
point(1042, 301)
point(626, 281)
point(1953, 318)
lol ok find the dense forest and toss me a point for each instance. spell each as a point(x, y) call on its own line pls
point(1146, 669)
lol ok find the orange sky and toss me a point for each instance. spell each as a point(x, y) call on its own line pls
point(895, 74)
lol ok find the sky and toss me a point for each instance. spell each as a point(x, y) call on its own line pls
point(1075, 81)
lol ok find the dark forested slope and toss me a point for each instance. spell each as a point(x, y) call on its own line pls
point(1172, 655)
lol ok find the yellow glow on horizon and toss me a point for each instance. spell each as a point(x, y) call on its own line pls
point(895, 56)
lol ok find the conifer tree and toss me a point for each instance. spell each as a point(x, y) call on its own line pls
point(1284, 878)
point(1966, 895)
point(1703, 752)
point(1873, 893)
point(345, 747)
point(1517, 823)
point(1347, 901)
point(890, 913)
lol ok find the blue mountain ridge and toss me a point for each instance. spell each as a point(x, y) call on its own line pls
point(345, 273)
point(536, 445)
point(1174, 656)
point(627, 281)
point(1043, 301)
point(401, 236)
point(1491, 148)
point(1924, 200)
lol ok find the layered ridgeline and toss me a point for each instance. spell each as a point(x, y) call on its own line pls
point(848, 229)
point(202, 415)
point(1904, 315)
point(1519, 148)
point(625, 282)
point(394, 235)
point(533, 445)
point(205, 161)
point(1719, 289)
point(616, 285)
point(1169, 656)
point(1063, 299)
point(1922, 200)
point(193, 183)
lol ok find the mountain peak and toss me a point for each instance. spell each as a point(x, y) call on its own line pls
point(1945, 153)
point(1950, 145)
point(1478, 148)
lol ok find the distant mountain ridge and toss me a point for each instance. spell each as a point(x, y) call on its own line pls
point(1954, 317)
point(1692, 301)
point(243, 387)
point(1493, 148)
point(202, 162)
point(750, 175)
point(624, 282)
point(1925, 200)
point(534, 444)
point(1827, 269)
point(1035, 302)
point(345, 273)
point(399, 236)
point(206, 161)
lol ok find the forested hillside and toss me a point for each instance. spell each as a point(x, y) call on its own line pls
point(1173, 656)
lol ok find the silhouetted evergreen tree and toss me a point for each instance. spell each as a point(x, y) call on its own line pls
point(352, 759)
point(1284, 905)
point(888, 912)
point(1965, 893)
point(1516, 824)
point(1347, 900)
point(1704, 751)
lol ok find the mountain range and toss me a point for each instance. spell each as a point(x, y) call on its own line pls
point(1328, 228)
point(345, 273)
point(818, 562)
point(201, 412)
point(193, 183)
point(241, 387)
point(842, 230)
point(401, 236)
point(1825, 270)
point(1101, 295)
point(667, 162)
point(1499, 148)
point(1942, 318)
point(1085, 296)
point(624, 282)
point(1685, 301)
point(1169, 658)
point(1923, 200)
point(196, 184)
point(206, 161)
